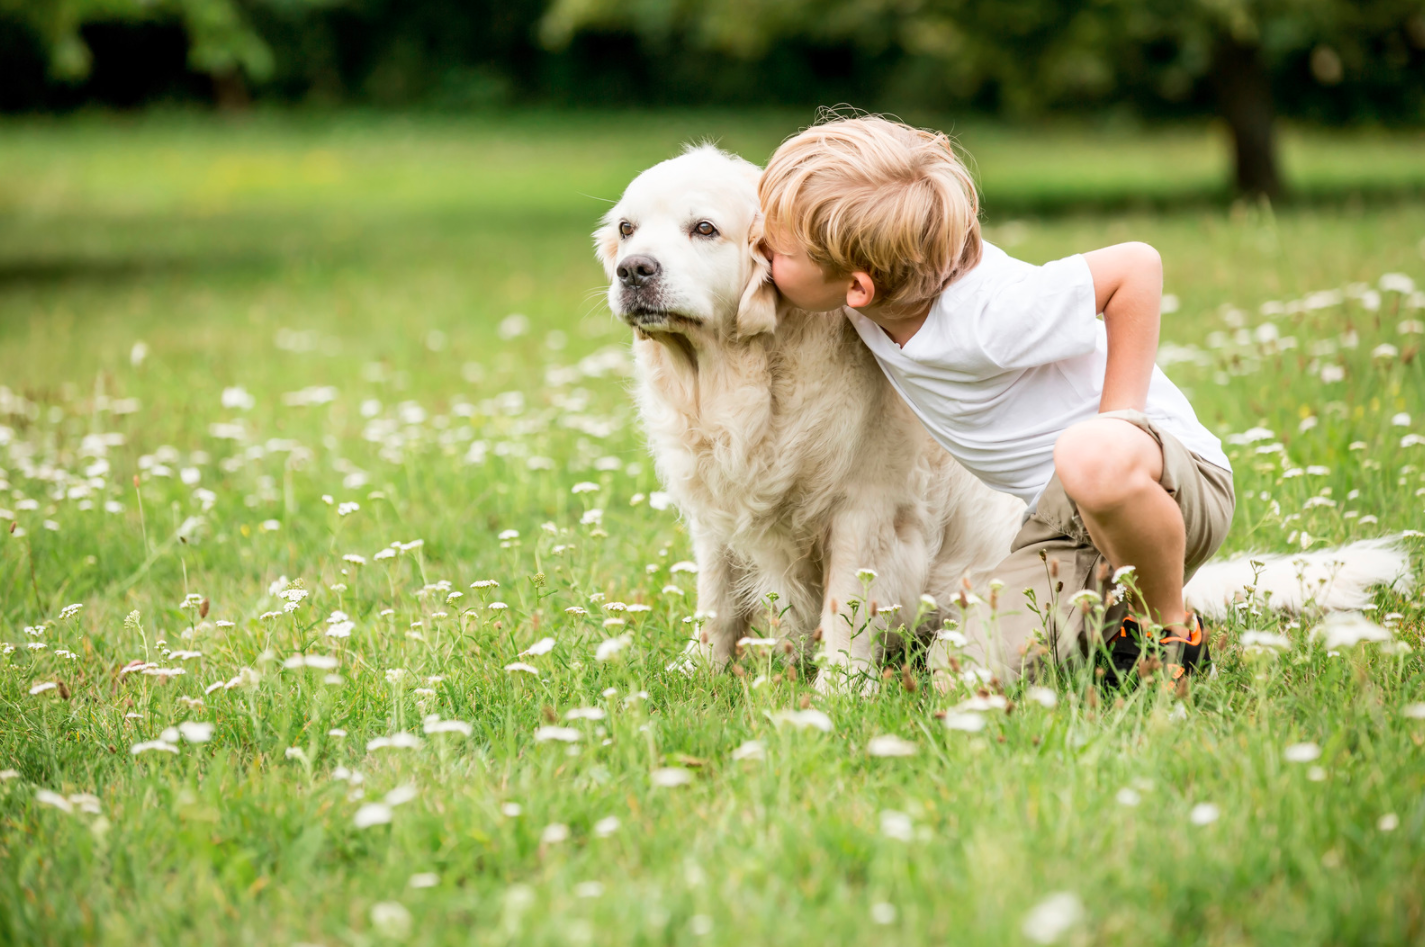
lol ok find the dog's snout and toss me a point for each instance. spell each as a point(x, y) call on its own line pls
point(637, 270)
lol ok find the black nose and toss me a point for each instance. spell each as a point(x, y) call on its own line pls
point(637, 270)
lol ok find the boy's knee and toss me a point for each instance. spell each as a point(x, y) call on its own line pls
point(1101, 462)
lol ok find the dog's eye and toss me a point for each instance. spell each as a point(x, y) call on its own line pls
point(704, 228)
point(625, 228)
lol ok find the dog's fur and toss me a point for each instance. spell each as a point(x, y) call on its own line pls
point(794, 460)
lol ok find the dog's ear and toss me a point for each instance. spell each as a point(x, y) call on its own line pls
point(606, 245)
point(757, 309)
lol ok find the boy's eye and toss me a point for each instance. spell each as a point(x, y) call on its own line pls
point(625, 228)
point(704, 228)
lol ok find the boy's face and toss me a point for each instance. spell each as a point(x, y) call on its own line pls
point(801, 280)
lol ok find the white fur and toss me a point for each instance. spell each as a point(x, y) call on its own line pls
point(792, 458)
point(1329, 579)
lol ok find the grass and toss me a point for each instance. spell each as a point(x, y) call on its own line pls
point(380, 258)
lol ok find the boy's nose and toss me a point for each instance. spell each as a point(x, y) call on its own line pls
point(637, 270)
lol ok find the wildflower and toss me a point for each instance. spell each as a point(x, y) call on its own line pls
point(485, 584)
point(341, 629)
point(802, 719)
point(614, 623)
point(46, 797)
point(1052, 918)
point(866, 575)
point(521, 666)
point(1128, 797)
point(1347, 629)
point(397, 675)
point(897, 825)
point(396, 741)
point(1301, 753)
point(542, 646)
point(512, 810)
point(586, 713)
point(498, 606)
point(425, 879)
point(270, 526)
point(968, 722)
point(387, 553)
point(1388, 822)
point(448, 726)
point(196, 731)
point(43, 686)
point(585, 487)
point(296, 753)
point(1414, 711)
point(576, 610)
point(890, 745)
point(883, 913)
point(391, 920)
point(670, 777)
point(562, 734)
point(609, 647)
point(684, 566)
point(554, 833)
point(69, 611)
point(1264, 641)
point(164, 745)
point(510, 534)
point(606, 826)
point(1204, 813)
point(1042, 696)
point(671, 590)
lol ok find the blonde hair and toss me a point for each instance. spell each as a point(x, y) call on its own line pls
point(867, 194)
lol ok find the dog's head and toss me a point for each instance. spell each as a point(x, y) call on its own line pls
point(681, 249)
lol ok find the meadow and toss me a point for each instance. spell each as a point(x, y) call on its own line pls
point(338, 594)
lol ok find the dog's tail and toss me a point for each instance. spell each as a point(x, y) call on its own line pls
point(1330, 579)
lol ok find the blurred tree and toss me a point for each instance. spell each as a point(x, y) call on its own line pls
point(1025, 56)
point(222, 43)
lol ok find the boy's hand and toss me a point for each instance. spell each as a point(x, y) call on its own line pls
point(1128, 290)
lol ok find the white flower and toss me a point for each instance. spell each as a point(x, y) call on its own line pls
point(1042, 696)
point(1052, 918)
point(196, 731)
point(684, 566)
point(521, 666)
point(1347, 629)
point(510, 534)
point(512, 810)
point(1204, 813)
point(968, 722)
point(670, 776)
point(448, 726)
point(1301, 753)
point(576, 610)
point(897, 825)
point(347, 508)
point(354, 559)
point(43, 686)
point(659, 500)
point(562, 734)
point(1264, 641)
point(270, 526)
point(485, 584)
point(1388, 822)
point(391, 920)
point(1121, 573)
point(606, 826)
point(585, 486)
point(69, 611)
point(542, 646)
point(586, 713)
point(802, 719)
point(866, 575)
point(1128, 797)
point(138, 748)
point(554, 833)
point(612, 646)
point(883, 913)
point(341, 629)
point(1085, 597)
point(589, 889)
point(750, 750)
point(425, 879)
point(890, 745)
point(47, 798)
point(1414, 711)
point(396, 741)
point(498, 606)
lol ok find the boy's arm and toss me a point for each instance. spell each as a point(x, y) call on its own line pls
point(1128, 289)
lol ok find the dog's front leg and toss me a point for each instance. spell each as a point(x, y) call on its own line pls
point(721, 620)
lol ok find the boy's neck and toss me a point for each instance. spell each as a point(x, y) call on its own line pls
point(899, 322)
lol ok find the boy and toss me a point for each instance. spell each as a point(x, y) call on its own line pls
point(1010, 369)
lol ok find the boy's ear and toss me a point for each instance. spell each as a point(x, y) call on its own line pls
point(757, 309)
point(606, 246)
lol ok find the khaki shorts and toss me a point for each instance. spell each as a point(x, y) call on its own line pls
point(1203, 492)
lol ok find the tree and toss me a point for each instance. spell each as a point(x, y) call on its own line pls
point(1024, 56)
point(221, 40)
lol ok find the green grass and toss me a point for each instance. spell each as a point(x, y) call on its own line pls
point(387, 253)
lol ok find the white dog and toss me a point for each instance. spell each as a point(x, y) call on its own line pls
point(795, 463)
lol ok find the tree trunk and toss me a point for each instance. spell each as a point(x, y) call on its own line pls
point(1244, 96)
point(230, 91)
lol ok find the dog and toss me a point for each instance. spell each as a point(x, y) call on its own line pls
point(813, 495)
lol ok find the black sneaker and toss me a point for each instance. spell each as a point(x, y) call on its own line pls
point(1182, 653)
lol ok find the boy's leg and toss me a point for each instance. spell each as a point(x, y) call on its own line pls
point(1112, 469)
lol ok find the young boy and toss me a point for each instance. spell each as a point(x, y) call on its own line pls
point(1010, 369)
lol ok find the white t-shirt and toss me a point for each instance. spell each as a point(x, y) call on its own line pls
point(1010, 356)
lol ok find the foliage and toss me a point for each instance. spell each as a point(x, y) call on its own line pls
point(328, 309)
